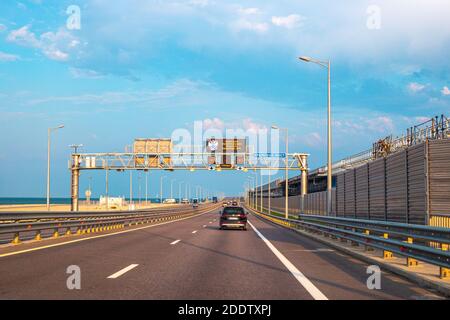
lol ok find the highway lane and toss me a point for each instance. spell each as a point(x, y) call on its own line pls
point(170, 261)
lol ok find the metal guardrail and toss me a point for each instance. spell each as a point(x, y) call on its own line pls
point(79, 223)
point(42, 215)
point(415, 242)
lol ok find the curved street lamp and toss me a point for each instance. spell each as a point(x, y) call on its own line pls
point(49, 131)
point(327, 65)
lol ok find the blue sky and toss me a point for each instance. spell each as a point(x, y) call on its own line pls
point(145, 68)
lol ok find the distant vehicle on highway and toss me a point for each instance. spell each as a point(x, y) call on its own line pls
point(214, 199)
point(234, 203)
point(233, 217)
point(169, 201)
point(184, 201)
point(195, 203)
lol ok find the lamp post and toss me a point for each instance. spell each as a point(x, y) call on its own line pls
point(139, 190)
point(49, 131)
point(131, 188)
point(171, 188)
point(179, 190)
point(253, 190)
point(161, 188)
point(326, 64)
point(269, 192)
point(261, 189)
point(146, 188)
point(286, 175)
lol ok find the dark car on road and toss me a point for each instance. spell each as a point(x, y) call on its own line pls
point(233, 217)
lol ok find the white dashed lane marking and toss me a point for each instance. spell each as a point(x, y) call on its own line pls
point(121, 272)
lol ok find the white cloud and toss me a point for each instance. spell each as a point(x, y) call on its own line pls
point(23, 36)
point(54, 45)
point(214, 123)
point(6, 57)
point(445, 91)
point(244, 24)
point(79, 73)
point(252, 126)
point(200, 3)
point(415, 87)
point(313, 139)
point(246, 125)
point(249, 11)
point(2, 27)
point(290, 22)
point(380, 124)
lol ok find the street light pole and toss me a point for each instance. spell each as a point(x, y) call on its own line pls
point(327, 64)
point(179, 191)
point(270, 194)
point(131, 188)
point(49, 130)
point(139, 190)
point(171, 188)
point(261, 192)
point(253, 201)
point(146, 188)
point(160, 189)
point(286, 173)
point(256, 190)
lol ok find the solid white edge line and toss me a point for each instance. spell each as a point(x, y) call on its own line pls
point(175, 242)
point(121, 272)
point(301, 278)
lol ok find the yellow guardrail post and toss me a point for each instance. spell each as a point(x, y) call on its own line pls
point(387, 254)
point(37, 236)
point(55, 233)
point(444, 273)
point(410, 262)
point(16, 239)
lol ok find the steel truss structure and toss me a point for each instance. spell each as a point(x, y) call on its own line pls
point(182, 161)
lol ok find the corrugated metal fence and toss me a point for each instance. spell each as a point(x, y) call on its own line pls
point(411, 186)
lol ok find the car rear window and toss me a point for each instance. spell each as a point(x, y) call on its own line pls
point(230, 210)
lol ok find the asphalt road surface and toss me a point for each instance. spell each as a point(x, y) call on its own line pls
point(193, 259)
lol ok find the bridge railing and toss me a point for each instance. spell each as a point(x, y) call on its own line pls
point(14, 226)
point(415, 242)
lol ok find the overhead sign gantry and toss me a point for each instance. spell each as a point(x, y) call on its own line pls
point(158, 154)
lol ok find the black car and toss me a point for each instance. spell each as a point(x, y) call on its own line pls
point(233, 217)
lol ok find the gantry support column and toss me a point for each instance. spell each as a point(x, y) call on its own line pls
point(75, 169)
point(302, 160)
